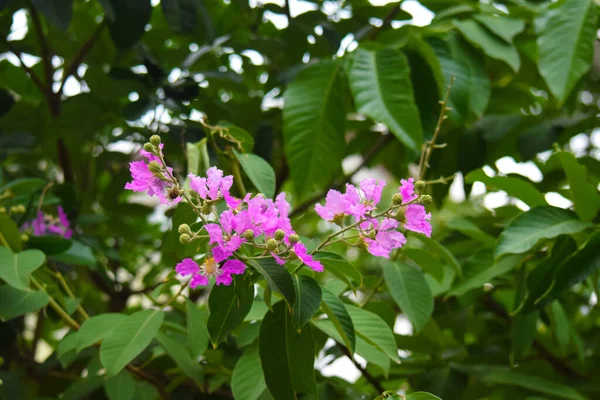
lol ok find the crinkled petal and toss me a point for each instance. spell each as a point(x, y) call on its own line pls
point(234, 267)
point(417, 219)
point(214, 233)
point(407, 190)
point(213, 182)
point(198, 280)
point(224, 279)
point(186, 267)
point(278, 259)
point(220, 254)
point(198, 185)
point(233, 244)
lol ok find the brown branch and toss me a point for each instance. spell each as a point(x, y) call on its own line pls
point(377, 146)
point(386, 21)
point(36, 79)
point(286, 7)
point(370, 378)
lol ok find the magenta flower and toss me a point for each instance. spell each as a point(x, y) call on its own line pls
point(210, 269)
point(145, 181)
point(354, 203)
point(372, 192)
point(44, 225)
point(223, 235)
point(407, 190)
point(214, 186)
point(336, 206)
point(386, 239)
point(300, 251)
point(416, 219)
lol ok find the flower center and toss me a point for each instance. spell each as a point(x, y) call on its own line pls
point(210, 267)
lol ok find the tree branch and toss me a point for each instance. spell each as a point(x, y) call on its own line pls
point(36, 79)
point(386, 21)
point(370, 378)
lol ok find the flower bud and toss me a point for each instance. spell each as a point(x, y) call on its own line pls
point(338, 219)
point(248, 235)
point(294, 238)
point(425, 199)
point(400, 215)
point(272, 244)
point(420, 186)
point(397, 199)
point(206, 208)
point(371, 235)
point(150, 148)
point(279, 234)
point(154, 167)
point(155, 140)
point(17, 209)
point(2, 210)
point(25, 237)
point(184, 238)
point(184, 228)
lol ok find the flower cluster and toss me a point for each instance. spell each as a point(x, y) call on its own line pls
point(380, 232)
point(44, 225)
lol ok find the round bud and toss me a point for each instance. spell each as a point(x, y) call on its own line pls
point(272, 244)
point(2, 210)
point(184, 228)
point(425, 199)
point(206, 208)
point(25, 237)
point(15, 209)
point(420, 186)
point(155, 140)
point(279, 234)
point(184, 238)
point(154, 167)
point(294, 238)
point(400, 216)
point(150, 148)
point(248, 235)
point(338, 219)
point(397, 199)
point(371, 235)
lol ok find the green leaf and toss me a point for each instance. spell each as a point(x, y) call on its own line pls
point(278, 278)
point(182, 357)
point(561, 325)
point(96, 328)
point(491, 269)
point(313, 125)
point(128, 339)
point(58, 12)
point(15, 268)
point(259, 171)
point(421, 396)
point(340, 319)
point(341, 268)
point(77, 254)
point(287, 356)
point(9, 233)
point(228, 307)
point(373, 330)
point(522, 333)
point(248, 380)
point(83, 387)
point(426, 261)
point(471, 230)
point(383, 91)
point(144, 390)
point(198, 337)
point(17, 302)
point(566, 44)
point(505, 27)
point(66, 352)
point(120, 387)
point(409, 289)
point(491, 45)
point(514, 187)
point(129, 24)
point(239, 136)
point(308, 300)
point(181, 15)
point(443, 253)
point(543, 222)
point(584, 195)
point(49, 245)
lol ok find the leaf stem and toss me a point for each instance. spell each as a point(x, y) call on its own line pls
point(70, 293)
point(56, 307)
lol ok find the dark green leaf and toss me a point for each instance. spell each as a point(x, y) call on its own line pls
point(514, 187)
point(16, 268)
point(505, 27)
point(426, 261)
point(259, 171)
point(9, 233)
point(17, 302)
point(308, 299)
point(96, 328)
point(490, 270)
point(130, 20)
point(586, 199)
point(341, 268)
point(248, 381)
point(120, 387)
point(58, 12)
point(182, 357)
point(198, 337)
point(421, 396)
point(278, 278)
point(77, 254)
point(181, 15)
point(50, 245)
point(340, 319)
point(373, 330)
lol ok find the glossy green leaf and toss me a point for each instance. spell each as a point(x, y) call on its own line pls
point(514, 187)
point(259, 171)
point(382, 90)
point(248, 381)
point(339, 318)
point(561, 326)
point(181, 15)
point(17, 302)
point(491, 269)
point(373, 330)
point(16, 268)
point(198, 337)
point(566, 44)
point(181, 355)
point(66, 350)
point(314, 117)
point(505, 27)
point(128, 339)
point(426, 261)
point(443, 253)
point(286, 355)
point(96, 328)
point(228, 307)
point(238, 136)
point(130, 21)
point(586, 199)
point(421, 396)
point(278, 278)
point(9, 233)
point(409, 289)
point(120, 387)
point(308, 299)
point(341, 268)
point(58, 12)
point(543, 222)
point(522, 333)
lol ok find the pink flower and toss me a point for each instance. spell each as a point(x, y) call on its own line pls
point(300, 251)
point(224, 235)
point(354, 205)
point(214, 186)
point(407, 190)
point(336, 206)
point(210, 268)
point(44, 225)
point(372, 192)
point(416, 219)
point(386, 239)
point(145, 181)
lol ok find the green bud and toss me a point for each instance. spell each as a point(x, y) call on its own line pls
point(150, 148)
point(371, 235)
point(17, 209)
point(420, 186)
point(184, 238)
point(248, 235)
point(154, 167)
point(400, 215)
point(155, 140)
point(2, 210)
point(184, 228)
point(206, 208)
point(425, 199)
point(279, 234)
point(25, 237)
point(272, 244)
point(294, 238)
point(338, 219)
point(397, 199)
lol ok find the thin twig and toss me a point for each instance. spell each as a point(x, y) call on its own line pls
point(56, 307)
point(370, 378)
point(69, 292)
point(36, 79)
point(386, 21)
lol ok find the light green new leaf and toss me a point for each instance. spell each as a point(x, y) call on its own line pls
point(128, 339)
point(313, 124)
point(248, 380)
point(278, 277)
point(340, 319)
point(491, 45)
point(308, 299)
point(182, 357)
point(259, 171)
point(584, 195)
point(505, 27)
point(17, 302)
point(15, 268)
point(96, 328)
point(382, 90)
point(120, 387)
point(198, 337)
point(543, 222)
point(566, 44)
point(373, 330)
point(409, 289)
point(514, 187)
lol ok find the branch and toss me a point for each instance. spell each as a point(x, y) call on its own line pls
point(368, 157)
point(370, 378)
point(36, 79)
point(386, 21)
point(44, 48)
